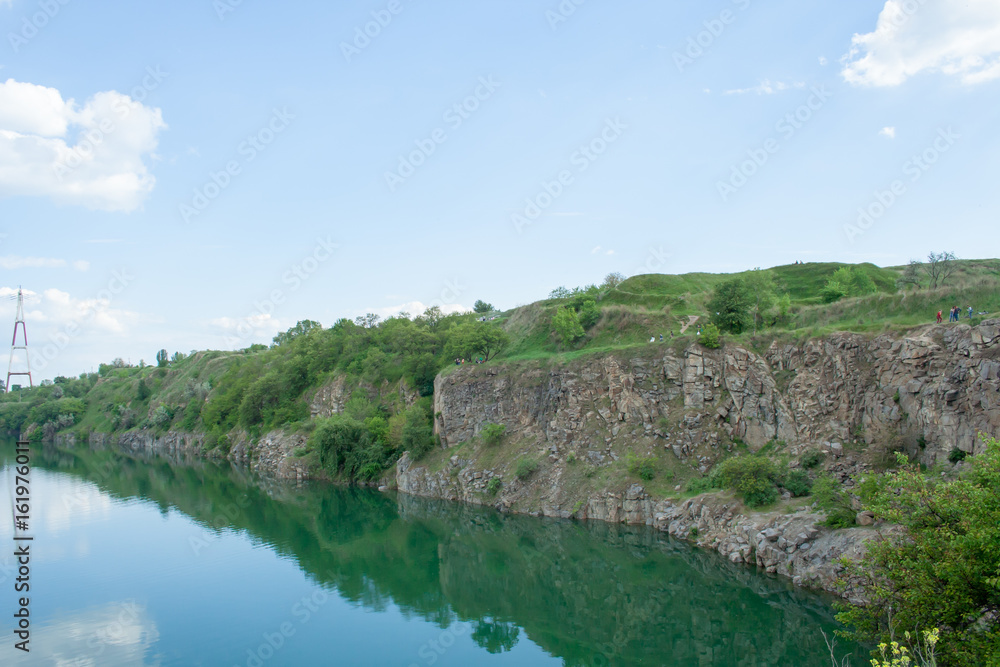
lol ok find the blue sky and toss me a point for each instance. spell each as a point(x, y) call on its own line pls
point(213, 153)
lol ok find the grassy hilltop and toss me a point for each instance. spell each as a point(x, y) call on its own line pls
point(388, 367)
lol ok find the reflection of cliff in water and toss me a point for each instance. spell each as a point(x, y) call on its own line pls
point(590, 593)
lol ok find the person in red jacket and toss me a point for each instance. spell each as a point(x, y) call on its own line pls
point(939, 317)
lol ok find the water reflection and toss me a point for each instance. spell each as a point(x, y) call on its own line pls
point(587, 593)
point(119, 634)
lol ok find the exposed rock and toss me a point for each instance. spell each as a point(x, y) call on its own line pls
point(866, 518)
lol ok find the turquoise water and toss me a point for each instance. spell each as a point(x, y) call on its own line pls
point(160, 562)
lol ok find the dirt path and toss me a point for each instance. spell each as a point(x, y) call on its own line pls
point(691, 320)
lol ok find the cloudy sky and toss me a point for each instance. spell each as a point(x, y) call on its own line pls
point(204, 173)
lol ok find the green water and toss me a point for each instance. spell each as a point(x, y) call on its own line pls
point(161, 562)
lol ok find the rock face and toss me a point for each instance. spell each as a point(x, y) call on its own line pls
point(791, 545)
point(941, 385)
point(273, 454)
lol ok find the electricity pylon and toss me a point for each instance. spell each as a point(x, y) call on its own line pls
point(14, 347)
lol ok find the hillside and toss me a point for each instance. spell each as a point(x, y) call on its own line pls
point(385, 370)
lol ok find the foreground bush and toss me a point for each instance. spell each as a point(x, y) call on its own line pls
point(944, 572)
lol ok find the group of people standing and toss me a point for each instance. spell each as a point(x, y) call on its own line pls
point(955, 314)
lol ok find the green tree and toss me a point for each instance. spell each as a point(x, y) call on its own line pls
point(783, 309)
point(612, 280)
point(589, 313)
point(162, 358)
point(142, 391)
point(477, 339)
point(301, 328)
point(559, 293)
point(944, 571)
point(833, 291)
point(482, 307)
point(760, 285)
point(567, 325)
point(710, 337)
point(730, 306)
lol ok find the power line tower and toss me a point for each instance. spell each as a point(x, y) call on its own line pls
point(14, 347)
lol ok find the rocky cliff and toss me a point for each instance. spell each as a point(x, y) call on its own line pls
point(941, 385)
point(931, 392)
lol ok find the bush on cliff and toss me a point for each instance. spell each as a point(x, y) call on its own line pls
point(944, 571)
point(831, 497)
point(753, 478)
point(493, 434)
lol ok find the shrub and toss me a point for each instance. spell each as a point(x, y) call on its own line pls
point(942, 571)
point(525, 468)
point(710, 337)
point(752, 477)
point(589, 314)
point(812, 458)
point(956, 455)
point(698, 485)
point(643, 468)
point(493, 434)
point(567, 325)
point(493, 486)
point(831, 498)
point(797, 483)
point(418, 434)
point(162, 416)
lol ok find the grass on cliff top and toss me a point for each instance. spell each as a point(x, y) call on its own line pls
point(650, 305)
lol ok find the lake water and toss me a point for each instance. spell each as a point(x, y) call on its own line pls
point(163, 562)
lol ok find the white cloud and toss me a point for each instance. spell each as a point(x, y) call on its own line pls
point(957, 37)
point(54, 307)
point(13, 262)
point(90, 156)
point(765, 87)
point(595, 250)
point(889, 132)
point(822, 60)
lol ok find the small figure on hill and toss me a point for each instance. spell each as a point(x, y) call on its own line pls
point(652, 339)
point(970, 312)
point(939, 317)
point(661, 335)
